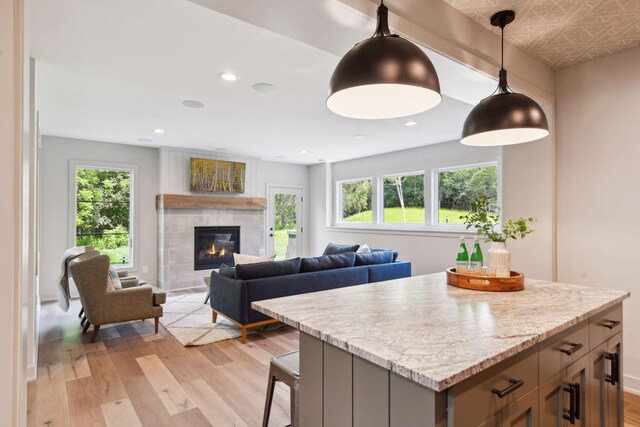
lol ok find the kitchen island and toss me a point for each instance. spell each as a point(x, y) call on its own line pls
point(417, 352)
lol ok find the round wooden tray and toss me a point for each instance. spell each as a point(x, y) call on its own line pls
point(485, 283)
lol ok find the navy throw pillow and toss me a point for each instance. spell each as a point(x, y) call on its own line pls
point(227, 271)
point(334, 248)
point(268, 269)
point(395, 253)
point(327, 262)
point(376, 257)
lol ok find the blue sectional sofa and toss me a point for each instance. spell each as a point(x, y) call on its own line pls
point(234, 289)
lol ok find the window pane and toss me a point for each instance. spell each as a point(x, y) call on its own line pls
point(458, 188)
point(103, 212)
point(356, 201)
point(404, 199)
point(285, 242)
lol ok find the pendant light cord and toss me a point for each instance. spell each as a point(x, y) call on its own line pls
point(503, 87)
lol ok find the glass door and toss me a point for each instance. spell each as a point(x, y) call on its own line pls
point(284, 220)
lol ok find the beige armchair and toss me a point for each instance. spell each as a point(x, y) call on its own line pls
point(102, 307)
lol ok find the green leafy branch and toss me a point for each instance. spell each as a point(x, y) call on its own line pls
point(484, 216)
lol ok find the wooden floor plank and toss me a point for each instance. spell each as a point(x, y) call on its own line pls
point(217, 411)
point(106, 378)
point(192, 417)
point(120, 413)
point(172, 395)
point(148, 406)
point(84, 403)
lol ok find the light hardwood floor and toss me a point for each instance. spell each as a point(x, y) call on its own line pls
point(131, 377)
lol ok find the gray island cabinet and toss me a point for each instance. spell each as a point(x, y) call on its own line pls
point(417, 352)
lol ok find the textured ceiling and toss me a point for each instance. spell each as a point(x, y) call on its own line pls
point(563, 32)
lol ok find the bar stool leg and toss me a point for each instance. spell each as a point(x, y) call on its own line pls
point(295, 407)
point(269, 399)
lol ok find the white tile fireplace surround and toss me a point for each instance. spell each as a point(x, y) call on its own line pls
point(179, 215)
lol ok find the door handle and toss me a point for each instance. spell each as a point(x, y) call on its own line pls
point(573, 348)
point(513, 385)
point(571, 416)
point(615, 368)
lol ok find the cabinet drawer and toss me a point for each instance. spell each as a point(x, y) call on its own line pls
point(603, 326)
point(477, 399)
point(561, 350)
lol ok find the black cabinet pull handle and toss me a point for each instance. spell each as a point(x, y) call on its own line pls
point(615, 368)
point(574, 347)
point(513, 385)
point(578, 399)
point(610, 324)
point(571, 416)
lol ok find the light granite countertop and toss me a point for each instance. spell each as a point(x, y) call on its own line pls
point(434, 334)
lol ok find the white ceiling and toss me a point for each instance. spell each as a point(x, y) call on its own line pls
point(114, 71)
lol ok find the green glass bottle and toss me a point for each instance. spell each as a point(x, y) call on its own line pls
point(462, 258)
point(476, 256)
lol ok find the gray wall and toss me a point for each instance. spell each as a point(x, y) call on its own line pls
point(597, 176)
point(56, 154)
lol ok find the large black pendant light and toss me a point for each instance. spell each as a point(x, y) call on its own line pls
point(505, 117)
point(383, 77)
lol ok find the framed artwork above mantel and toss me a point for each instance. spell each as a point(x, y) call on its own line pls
point(216, 176)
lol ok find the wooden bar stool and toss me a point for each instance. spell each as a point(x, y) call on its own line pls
point(284, 368)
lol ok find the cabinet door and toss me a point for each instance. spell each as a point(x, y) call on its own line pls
point(550, 400)
point(522, 413)
point(613, 370)
point(577, 376)
point(492, 422)
point(597, 388)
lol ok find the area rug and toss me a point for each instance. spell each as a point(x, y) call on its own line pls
point(189, 321)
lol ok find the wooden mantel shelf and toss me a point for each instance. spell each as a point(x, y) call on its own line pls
point(187, 201)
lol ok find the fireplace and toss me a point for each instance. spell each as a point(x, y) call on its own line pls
point(214, 246)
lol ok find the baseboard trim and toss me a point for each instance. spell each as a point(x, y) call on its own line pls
point(632, 384)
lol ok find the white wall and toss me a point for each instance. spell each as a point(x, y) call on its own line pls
point(597, 154)
point(527, 190)
point(56, 154)
point(13, 390)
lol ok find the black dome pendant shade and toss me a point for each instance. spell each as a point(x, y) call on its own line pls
point(505, 117)
point(383, 77)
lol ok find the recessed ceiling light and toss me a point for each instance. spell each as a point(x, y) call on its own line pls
point(281, 157)
point(192, 103)
point(302, 151)
point(264, 87)
point(158, 131)
point(230, 77)
point(221, 149)
point(145, 140)
point(360, 136)
point(321, 160)
point(410, 123)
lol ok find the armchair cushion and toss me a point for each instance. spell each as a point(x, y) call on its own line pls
point(113, 281)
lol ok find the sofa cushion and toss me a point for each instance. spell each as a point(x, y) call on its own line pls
point(395, 253)
point(334, 248)
point(327, 262)
point(251, 259)
point(376, 257)
point(268, 269)
point(227, 271)
point(363, 249)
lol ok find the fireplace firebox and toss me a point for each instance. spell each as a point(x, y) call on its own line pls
point(214, 246)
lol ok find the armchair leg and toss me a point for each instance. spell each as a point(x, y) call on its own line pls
point(84, 319)
point(86, 327)
point(81, 312)
point(214, 316)
point(157, 322)
point(96, 329)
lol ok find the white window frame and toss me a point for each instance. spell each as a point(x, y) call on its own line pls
point(380, 218)
point(339, 205)
point(74, 165)
point(435, 174)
